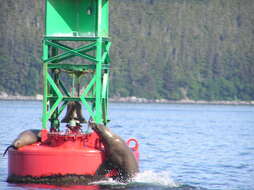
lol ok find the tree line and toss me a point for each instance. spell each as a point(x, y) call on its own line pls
point(172, 49)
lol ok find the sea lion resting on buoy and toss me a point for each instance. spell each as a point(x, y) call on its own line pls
point(119, 155)
point(27, 137)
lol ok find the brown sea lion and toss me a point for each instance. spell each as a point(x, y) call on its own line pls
point(74, 111)
point(27, 137)
point(119, 155)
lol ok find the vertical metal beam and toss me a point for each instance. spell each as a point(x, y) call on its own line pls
point(98, 106)
point(45, 85)
point(99, 17)
point(54, 118)
point(105, 83)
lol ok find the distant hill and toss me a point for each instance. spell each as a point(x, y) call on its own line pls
point(172, 49)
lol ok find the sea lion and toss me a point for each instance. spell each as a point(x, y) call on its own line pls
point(119, 155)
point(27, 137)
point(74, 112)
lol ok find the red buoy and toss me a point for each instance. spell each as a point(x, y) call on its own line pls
point(71, 153)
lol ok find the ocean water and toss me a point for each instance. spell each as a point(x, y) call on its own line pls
point(182, 147)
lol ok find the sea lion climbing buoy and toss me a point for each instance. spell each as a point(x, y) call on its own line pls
point(119, 155)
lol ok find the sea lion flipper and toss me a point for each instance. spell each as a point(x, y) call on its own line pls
point(6, 150)
point(104, 168)
point(119, 155)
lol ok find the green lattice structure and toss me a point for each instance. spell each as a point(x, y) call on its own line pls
point(75, 28)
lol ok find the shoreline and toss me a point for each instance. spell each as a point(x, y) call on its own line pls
point(134, 99)
point(186, 101)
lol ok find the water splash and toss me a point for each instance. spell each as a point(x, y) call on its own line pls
point(144, 178)
point(156, 178)
point(108, 181)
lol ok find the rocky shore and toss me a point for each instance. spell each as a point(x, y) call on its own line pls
point(5, 96)
point(133, 99)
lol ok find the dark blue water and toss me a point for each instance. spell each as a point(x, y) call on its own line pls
point(181, 146)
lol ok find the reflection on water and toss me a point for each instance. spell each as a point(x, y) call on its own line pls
point(144, 181)
point(44, 186)
point(181, 146)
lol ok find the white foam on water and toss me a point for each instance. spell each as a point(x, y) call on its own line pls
point(147, 177)
point(156, 178)
point(108, 181)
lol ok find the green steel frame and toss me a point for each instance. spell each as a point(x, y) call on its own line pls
point(94, 97)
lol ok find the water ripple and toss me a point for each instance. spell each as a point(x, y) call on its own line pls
point(182, 147)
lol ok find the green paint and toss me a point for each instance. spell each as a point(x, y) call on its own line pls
point(75, 52)
point(83, 21)
point(58, 94)
point(76, 18)
point(98, 106)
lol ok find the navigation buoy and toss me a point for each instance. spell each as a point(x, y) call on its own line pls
point(72, 155)
point(72, 29)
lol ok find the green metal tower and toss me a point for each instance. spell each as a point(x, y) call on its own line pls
point(75, 28)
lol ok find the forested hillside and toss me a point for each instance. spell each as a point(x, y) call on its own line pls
point(173, 49)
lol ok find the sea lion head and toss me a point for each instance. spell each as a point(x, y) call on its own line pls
point(102, 130)
point(27, 137)
point(98, 128)
point(17, 143)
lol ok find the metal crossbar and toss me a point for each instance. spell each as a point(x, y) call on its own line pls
point(94, 96)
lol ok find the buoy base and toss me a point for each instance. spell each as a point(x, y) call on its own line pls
point(61, 154)
point(55, 179)
point(69, 158)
